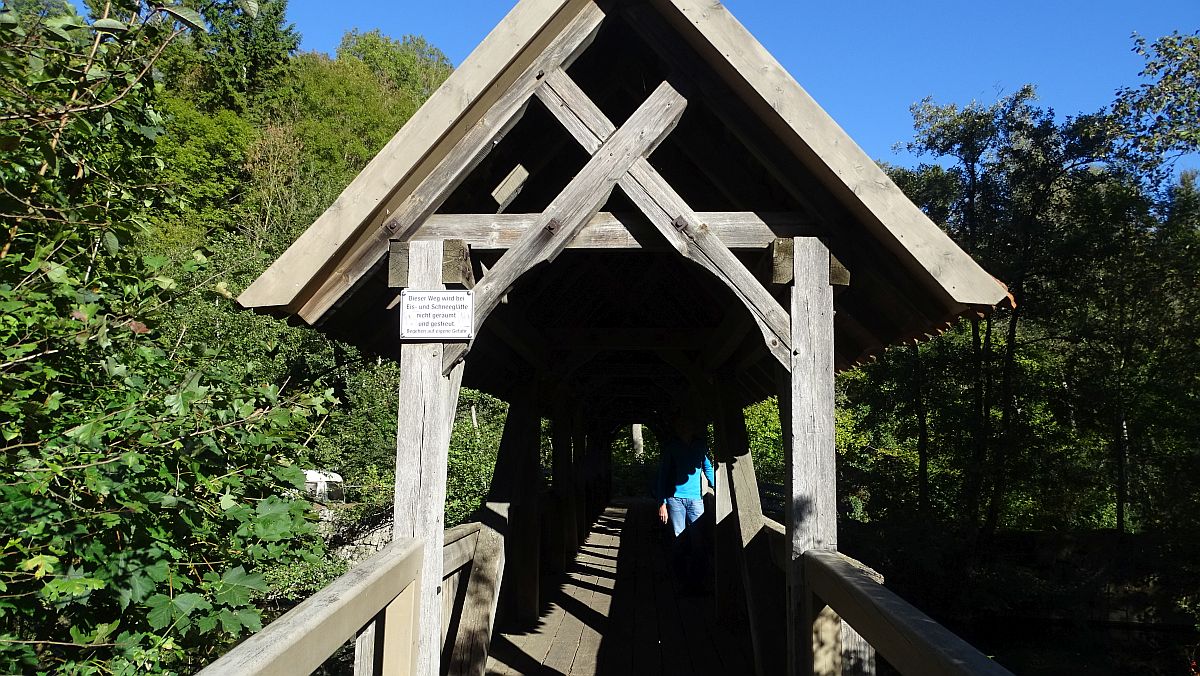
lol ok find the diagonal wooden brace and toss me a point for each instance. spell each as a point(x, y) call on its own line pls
point(669, 213)
point(578, 202)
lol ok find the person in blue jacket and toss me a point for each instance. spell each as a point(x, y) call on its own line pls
point(684, 457)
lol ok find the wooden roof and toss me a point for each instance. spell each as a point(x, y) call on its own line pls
point(753, 155)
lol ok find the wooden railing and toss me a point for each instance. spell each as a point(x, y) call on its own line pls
point(374, 604)
point(381, 591)
point(908, 639)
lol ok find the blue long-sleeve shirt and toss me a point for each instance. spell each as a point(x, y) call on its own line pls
point(680, 467)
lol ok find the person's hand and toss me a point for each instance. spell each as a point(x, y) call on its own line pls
point(662, 513)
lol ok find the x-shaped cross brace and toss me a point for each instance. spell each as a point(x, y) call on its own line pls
point(618, 156)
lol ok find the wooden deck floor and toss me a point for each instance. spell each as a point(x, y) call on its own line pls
point(619, 610)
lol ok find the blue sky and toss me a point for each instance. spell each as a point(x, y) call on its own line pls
point(864, 62)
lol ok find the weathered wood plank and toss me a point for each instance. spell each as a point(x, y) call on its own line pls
point(579, 200)
point(807, 406)
point(736, 229)
point(438, 184)
point(427, 402)
point(469, 656)
point(459, 547)
point(510, 187)
point(597, 633)
point(368, 648)
point(456, 264)
point(668, 212)
point(781, 265)
point(781, 261)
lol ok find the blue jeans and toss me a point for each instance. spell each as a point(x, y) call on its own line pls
point(683, 512)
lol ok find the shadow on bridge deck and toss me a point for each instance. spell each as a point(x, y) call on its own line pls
point(620, 610)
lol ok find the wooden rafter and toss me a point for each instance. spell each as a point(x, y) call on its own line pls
point(669, 213)
point(579, 201)
point(439, 184)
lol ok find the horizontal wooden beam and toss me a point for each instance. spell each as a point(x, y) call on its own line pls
point(736, 229)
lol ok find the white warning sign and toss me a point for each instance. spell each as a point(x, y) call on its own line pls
point(437, 315)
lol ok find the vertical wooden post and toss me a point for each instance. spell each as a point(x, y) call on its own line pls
point(749, 558)
point(424, 420)
point(368, 648)
point(726, 539)
point(806, 407)
point(564, 479)
point(579, 444)
point(522, 575)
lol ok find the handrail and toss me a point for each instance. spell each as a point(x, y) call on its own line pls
point(458, 547)
point(304, 637)
point(909, 639)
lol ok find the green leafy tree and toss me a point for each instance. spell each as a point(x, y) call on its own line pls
point(241, 62)
point(411, 65)
point(1161, 117)
point(148, 486)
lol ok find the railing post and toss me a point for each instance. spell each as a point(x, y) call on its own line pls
point(403, 633)
point(806, 406)
point(368, 648)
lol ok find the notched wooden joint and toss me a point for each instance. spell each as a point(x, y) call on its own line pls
point(781, 260)
point(839, 275)
point(456, 264)
point(397, 265)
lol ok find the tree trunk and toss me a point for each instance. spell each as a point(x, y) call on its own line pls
point(638, 444)
point(922, 432)
point(973, 481)
point(1122, 453)
point(1006, 446)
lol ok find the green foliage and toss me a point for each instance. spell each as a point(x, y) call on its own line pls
point(1162, 116)
point(1067, 412)
point(241, 62)
point(149, 485)
point(411, 66)
point(474, 440)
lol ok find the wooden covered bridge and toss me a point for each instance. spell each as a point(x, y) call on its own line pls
point(646, 208)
